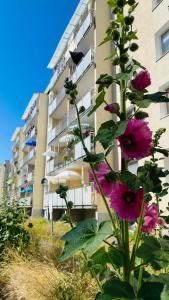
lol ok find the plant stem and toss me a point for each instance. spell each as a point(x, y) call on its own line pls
point(133, 255)
point(94, 175)
point(69, 213)
point(140, 278)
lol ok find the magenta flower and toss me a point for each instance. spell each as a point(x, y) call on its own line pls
point(126, 203)
point(105, 184)
point(136, 142)
point(150, 218)
point(112, 108)
point(141, 81)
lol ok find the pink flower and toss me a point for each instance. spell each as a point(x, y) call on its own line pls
point(150, 218)
point(126, 203)
point(136, 142)
point(105, 184)
point(141, 80)
point(112, 108)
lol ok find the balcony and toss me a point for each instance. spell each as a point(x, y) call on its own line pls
point(15, 143)
point(53, 133)
point(68, 156)
point(25, 202)
point(16, 154)
point(29, 137)
point(31, 117)
point(57, 100)
point(85, 101)
point(83, 29)
point(27, 158)
point(81, 68)
point(82, 197)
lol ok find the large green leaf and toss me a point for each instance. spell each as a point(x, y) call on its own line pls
point(112, 256)
point(151, 290)
point(116, 289)
point(157, 97)
point(154, 251)
point(108, 131)
point(87, 236)
point(94, 158)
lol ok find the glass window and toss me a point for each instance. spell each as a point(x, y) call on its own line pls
point(165, 42)
point(133, 166)
point(165, 106)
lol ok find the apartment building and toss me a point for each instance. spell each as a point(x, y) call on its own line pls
point(14, 176)
point(4, 175)
point(78, 58)
point(32, 162)
point(153, 53)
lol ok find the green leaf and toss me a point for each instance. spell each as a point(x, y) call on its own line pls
point(157, 97)
point(130, 180)
point(155, 252)
point(106, 133)
point(99, 101)
point(87, 236)
point(94, 158)
point(117, 289)
point(141, 115)
point(143, 103)
point(151, 290)
point(121, 128)
point(115, 257)
point(165, 152)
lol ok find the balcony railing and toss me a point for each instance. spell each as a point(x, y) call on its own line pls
point(15, 143)
point(66, 157)
point(25, 202)
point(85, 101)
point(57, 100)
point(16, 154)
point(53, 133)
point(33, 114)
point(83, 29)
point(27, 158)
point(80, 197)
point(83, 65)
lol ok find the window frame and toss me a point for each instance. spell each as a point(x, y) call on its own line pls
point(163, 51)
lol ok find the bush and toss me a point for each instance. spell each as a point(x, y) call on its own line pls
point(13, 235)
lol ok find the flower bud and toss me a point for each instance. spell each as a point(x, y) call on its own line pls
point(129, 20)
point(133, 47)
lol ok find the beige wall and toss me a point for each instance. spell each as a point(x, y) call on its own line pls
point(39, 171)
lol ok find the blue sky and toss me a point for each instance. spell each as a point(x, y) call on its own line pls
point(29, 33)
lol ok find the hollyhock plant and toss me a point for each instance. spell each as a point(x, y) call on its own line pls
point(136, 142)
point(126, 203)
point(101, 172)
point(150, 218)
point(141, 81)
point(131, 253)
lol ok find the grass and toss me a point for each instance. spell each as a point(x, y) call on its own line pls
point(38, 275)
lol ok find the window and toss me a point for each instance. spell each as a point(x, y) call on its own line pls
point(164, 107)
point(166, 167)
point(165, 42)
point(156, 3)
point(133, 166)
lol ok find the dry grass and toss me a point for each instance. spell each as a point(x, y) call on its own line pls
point(32, 280)
point(38, 275)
